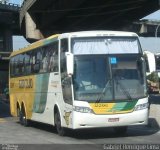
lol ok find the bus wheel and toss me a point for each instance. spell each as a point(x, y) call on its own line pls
point(23, 119)
point(59, 128)
point(121, 130)
point(20, 116)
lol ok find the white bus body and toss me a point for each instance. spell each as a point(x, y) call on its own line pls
point(102, 85)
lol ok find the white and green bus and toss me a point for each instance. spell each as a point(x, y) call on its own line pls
point(79, 80)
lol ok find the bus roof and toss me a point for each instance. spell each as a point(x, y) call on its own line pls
point(97, 33)
point(72, 34)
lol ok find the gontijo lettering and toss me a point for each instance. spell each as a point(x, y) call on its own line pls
point(26, 83)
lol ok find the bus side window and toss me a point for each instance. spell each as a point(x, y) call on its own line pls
point(16, 66)
point(53, 62)
point(63, 49)
point(38, 61)
point(35, 66)
point(27, 64)
point(32, 61)
point(45, 58)
point(21, 65)
point(41, 59)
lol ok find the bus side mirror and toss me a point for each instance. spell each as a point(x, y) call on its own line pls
point(70, 63)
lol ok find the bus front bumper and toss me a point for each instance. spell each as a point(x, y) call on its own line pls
point(90, 120)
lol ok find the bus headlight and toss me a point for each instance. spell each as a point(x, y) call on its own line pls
point(82, 109)
point(141, 106)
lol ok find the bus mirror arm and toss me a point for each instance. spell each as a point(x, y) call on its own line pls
point(69, 63)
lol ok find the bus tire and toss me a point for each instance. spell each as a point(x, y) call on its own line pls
point(121, 130)
point(23, 119)
point(20, 116)
point(59, 128)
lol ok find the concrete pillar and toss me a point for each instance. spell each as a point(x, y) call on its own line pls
point(8, 41)
point(1, 40)
point(31, 31)
point(143, 28)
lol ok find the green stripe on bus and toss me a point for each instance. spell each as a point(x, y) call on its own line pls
point(119, 106)
point(130, 105)
point(48, 41)
point(41, 92)
point(123, 106)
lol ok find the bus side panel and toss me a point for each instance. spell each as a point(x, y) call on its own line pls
point(13, 97)
point(13, 106)
point(48, 94)
point(40, 98)
point(22, 93)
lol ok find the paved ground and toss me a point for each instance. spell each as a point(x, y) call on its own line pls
point(41, 136)
point(154, 115)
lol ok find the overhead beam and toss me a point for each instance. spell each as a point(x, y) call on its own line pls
point(27, 4)
point(57, 16)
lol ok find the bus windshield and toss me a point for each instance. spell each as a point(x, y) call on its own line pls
point(109, 77)
point(105, 45)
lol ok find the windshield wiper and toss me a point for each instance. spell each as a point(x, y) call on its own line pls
point(125, 91)
point(103, 91)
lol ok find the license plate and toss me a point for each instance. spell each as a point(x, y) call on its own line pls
point(113, 119)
